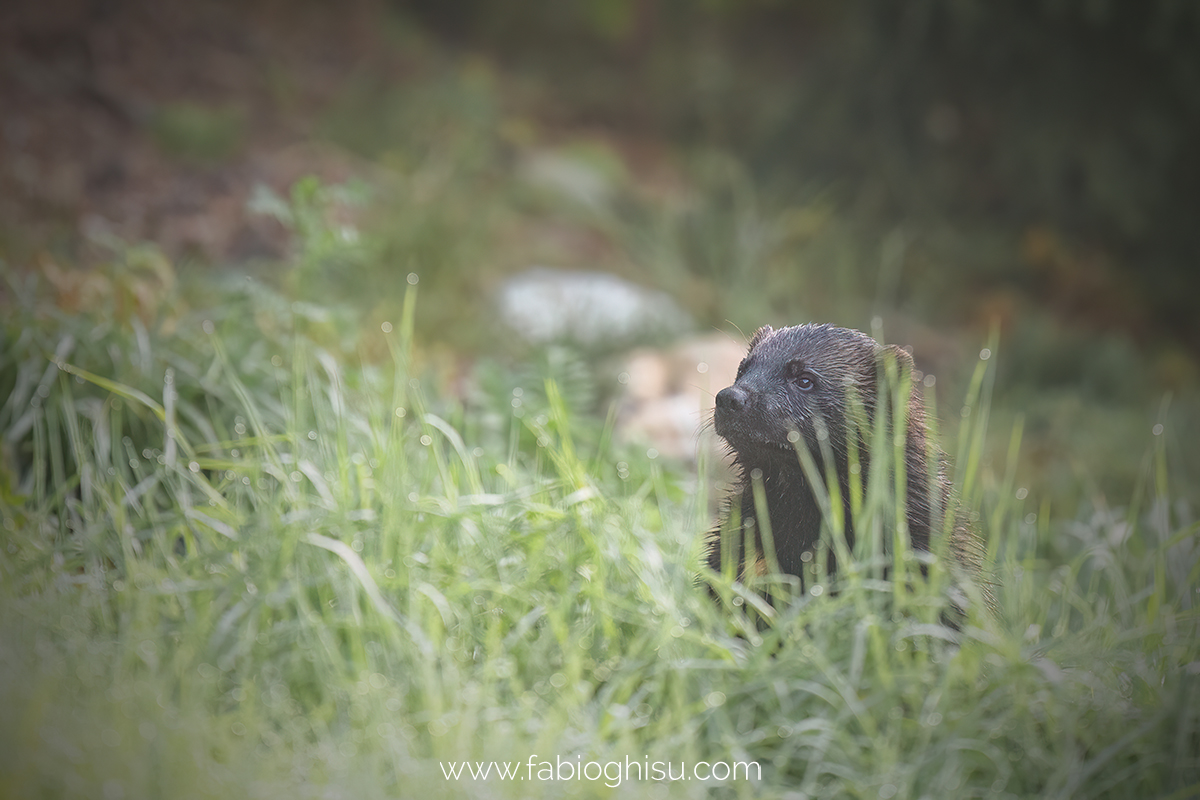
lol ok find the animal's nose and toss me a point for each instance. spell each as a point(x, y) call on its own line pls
point(732, 398)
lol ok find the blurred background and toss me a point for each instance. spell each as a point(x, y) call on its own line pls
point(937, 172)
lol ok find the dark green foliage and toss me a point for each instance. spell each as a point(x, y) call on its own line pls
point(197, 133)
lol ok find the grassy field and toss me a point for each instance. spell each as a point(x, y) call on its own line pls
point(256, 551)
point(304, 524)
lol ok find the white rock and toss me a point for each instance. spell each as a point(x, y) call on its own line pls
point(545, 305)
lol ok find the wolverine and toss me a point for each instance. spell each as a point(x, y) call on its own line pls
point(822, 388)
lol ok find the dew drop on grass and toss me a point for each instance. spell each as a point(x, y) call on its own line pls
point(714, 699)
point(386, 327)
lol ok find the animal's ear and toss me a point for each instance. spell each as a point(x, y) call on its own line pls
point(897, 355)
point(759, 335)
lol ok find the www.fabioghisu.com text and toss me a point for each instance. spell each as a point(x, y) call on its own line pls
point(612, 773)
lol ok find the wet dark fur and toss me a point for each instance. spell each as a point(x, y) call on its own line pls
point(798, 379)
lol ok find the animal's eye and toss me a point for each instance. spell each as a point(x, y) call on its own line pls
point(804, 379)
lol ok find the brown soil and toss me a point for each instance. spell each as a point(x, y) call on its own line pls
point(88, 87)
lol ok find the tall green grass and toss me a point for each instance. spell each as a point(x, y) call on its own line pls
point(237, 563)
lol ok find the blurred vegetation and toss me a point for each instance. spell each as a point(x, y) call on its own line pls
point(193, 132)
point(958, 163)
point(939, 167)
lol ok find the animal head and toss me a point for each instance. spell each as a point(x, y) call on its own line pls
point(801, 380)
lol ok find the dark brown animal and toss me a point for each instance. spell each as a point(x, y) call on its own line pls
point(795, 387)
